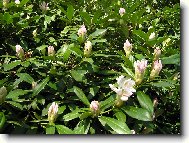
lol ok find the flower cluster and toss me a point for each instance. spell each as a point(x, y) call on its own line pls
point(51, 51)
point(127, 47)
point(121, 11)
point(44, 6)
point(95, 108)
point(88, 48)
point(20, 52)
point(124, 90)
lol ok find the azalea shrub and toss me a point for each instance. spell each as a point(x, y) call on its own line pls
point(89, 67)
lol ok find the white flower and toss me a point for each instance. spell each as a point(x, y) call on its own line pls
point(127, 47)
point(156, 68)
point(121, 11)
point(17, 2)
point(82, 31)
point(94, 106)
point(152, 35)
point(125, 87)
point(88, 48)
point(157, 53)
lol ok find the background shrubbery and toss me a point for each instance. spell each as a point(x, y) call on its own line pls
point(73, 80)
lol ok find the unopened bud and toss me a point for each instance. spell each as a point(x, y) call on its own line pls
point(3, 93)
point(44, 6)
point(121, 11)
point(34, 84)
point(82, 33)
point(20, 52)
point(34, 33)
point(88, 48)
point(95, 108)
point(52, 112)
point(166, 42)
point(5, 3)
point(127, 47)
point(155, 102)
point(157, 53)
point(140, 67)
point(51, 51)
point(156, 68)
point(152, 36)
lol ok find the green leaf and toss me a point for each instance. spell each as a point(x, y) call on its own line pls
point(2, 120)
point(86, 17)
point(138, 113)
point(75, 50)
point(23, 2)
point(61, 109)
point(8, 18)
point(173, 59)
point(116, 125)
point(79, 130)
point(78, 75)
point(40, 86)
point(85, 115)
point(165, 84)
point(70, 116)
point(70, 12)
point(145, 101)
point(81, 95)
point(120, 116)
point(98, 32)
point(128, 71)
point(107, 103)
point(25, 77)
point(64, 52)
point(16, 93)
point(50, 129)
point(63, 129)
point(140, 34)
point(11, 65)
point(41, 47)
point(15, 104)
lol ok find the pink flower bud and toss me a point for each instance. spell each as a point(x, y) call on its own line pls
point(95, 108)
point(157, 53)
point(121, 11)
point(140, 67)
point(127, 47)
point(82, 31)
point(17, 2)
point(52, 112)
point(88, 48)
point(156, 68)
point(51, 51)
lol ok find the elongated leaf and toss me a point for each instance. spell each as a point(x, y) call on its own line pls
point(63, 129)
point(86, 17)
point(79, 130)
point(11, 65)
point(16, 93)
point(138, 113)
point(2, 120)
point(141, 34)
point(145, 101)
point(78, 75)
point(120, 116)
point(116, 125)
point(81, 95)
point(50, 129)
point(15, 104)
point(107, 103)
point(98, 32)
point(40, 86)
point(72, 115)
point(70, 12)
point(173, 59)
point(25, 77)
point(23, 2)
point(128, 71)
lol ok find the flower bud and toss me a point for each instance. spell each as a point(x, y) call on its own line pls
point(5, 3)
point(152, 36)
point(95, 108)
point(155, 102)
point(3, 93)
point(140, 67)
point(121, 11)
point(51, 51)
point(88, 48)
point(44, 6)
point(127, 47)
point(17, 2)
point(34, 33)
point(156, 68)
point(34, 84)
point(166, 42)
point(157, 53)
point(82, 33)
point(52, 112)
point(20, 52)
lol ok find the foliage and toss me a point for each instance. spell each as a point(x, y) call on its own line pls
point(73, 80)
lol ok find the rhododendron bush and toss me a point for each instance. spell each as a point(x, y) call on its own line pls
point(89, 67)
